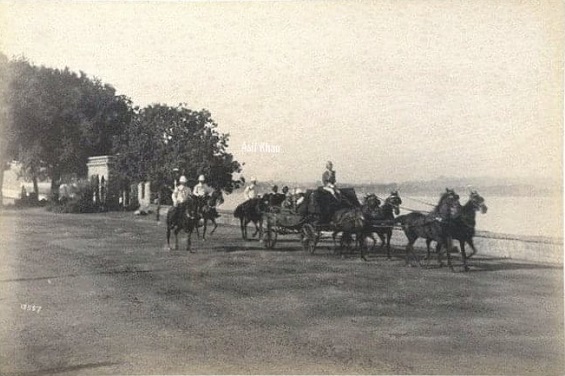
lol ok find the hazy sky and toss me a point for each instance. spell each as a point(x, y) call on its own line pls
point(388, 90)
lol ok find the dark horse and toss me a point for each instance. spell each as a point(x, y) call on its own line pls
point(208, 211)
point(435, 225)
point(184, 217)
point(380, 219)
point(251, 211)
point(349, 221)
point(340, 214)
point(323, 211)
point(463, 227)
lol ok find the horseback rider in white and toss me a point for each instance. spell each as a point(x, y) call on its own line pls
point(180, 195)
point(201, 189)
point(249, 191)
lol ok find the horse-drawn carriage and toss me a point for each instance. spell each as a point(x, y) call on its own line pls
point(319, 212)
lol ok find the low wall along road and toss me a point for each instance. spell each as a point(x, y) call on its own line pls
point(530, 248)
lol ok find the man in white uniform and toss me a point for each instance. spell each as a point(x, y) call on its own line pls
point(180, 195)
point(249, 191)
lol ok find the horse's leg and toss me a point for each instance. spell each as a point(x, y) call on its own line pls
point(360, 237)
point(438, 251)
point(448, 246)
point(428, 242)
point(470, 241)
point(257, 229)
point(177, 238)
point(370, 236)
point(197, 232)
point(168, 237)
point(204, 231)
point(215, 226)
point(388, 236)
point(243, 230)
point(410, 249)
point(188, 236)
point(464, 255)
point(334, 235)
point(382, 236)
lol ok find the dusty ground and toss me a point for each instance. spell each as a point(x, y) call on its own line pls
point(114, 301)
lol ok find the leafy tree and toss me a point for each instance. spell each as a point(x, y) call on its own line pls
point(161, 138)
point(60, 118)
point(6, 149)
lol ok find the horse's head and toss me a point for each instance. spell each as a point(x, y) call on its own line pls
point(448, 205)
point(478, 202)
point(189, 208)
point(216, 198)
point(395, 201)
point(372, 201)
point(262, 204)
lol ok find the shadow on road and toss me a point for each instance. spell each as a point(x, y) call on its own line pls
point(50, 371)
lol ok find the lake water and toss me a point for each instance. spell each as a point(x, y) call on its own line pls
point(530, 216)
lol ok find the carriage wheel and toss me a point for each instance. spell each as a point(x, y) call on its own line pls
point(270, 237)
point(310, 239)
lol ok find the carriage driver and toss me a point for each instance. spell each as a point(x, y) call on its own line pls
point(180, 195)
point(328, 180)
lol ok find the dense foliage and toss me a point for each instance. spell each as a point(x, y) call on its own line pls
point(55, 119)
point(52, 120)
point(160, 138)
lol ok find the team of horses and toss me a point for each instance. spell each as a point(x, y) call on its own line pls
point(355, 221)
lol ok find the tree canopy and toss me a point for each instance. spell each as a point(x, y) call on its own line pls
point(52, 120)
point(58, 118)
point(160, 138)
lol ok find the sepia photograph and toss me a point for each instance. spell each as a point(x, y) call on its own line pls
point(261, 187)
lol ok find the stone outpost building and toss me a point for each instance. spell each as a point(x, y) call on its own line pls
point(111, 191)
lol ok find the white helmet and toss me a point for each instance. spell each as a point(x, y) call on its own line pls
point(298, 191)
point(182, 179)
point(201, 178)
point(253, 180)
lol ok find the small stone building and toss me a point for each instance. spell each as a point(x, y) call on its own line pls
point(101, 169)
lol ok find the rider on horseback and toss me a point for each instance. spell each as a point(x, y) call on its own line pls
point(180, 195)
point(201, 191)
point(249, 191)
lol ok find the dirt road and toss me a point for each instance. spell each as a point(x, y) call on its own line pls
point(99, 294)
